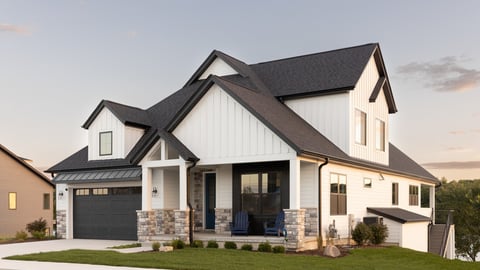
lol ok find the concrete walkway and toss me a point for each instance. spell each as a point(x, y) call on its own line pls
point(57, 245)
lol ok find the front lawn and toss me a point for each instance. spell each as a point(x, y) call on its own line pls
point(203, 258)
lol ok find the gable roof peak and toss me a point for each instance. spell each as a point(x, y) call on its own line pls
point(125, 113)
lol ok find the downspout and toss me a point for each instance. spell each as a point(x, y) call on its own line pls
point(319, 230)
point(190, 220)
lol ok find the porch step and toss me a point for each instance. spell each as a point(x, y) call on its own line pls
point(436, 238)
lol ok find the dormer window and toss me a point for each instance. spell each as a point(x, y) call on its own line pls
point(106, 143)
point(380, 135)
point(360, 127)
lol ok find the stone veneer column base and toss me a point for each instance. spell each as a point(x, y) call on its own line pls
point(165, 221)
point(311, 221)
point(182, 219)
point(295, 226)
point(61, 224)
point(146, 225)
point(223, 217)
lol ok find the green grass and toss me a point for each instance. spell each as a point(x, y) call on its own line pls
point(369, 258)
point(134, 245)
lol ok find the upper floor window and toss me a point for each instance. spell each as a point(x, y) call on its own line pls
point(380, 135)
point(106, 143)
point(12, 201)
point(413, 195)
point(394, 193)
point(425, 196)
point(338, 194)
point(360, 127)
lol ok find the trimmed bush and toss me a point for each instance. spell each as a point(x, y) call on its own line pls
point(230, 245)
point(246, 247)
point(265, 247)
point(21, 235)
point(212, 244)
point(361, 234)
point(278, 249)
point(155, 246)
point(197, 244)
point(178, 244)
point(379, 233)
point(37, 228)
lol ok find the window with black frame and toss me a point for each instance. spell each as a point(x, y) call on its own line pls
point(260, 193)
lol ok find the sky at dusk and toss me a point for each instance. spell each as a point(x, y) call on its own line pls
point(59, 59)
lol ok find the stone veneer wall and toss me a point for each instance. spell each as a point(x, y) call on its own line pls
point(223, 217)
point(311, 222)
point(295, 226)
point(181, 225)
point(146, 225)
point(62, 224)
point(198, 191)
point(165, 221)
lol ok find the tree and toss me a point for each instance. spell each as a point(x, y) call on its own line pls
point(464, 198)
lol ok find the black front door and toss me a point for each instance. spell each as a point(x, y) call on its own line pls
point(210, 200)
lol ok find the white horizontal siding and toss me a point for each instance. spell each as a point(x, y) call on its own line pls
point(359, 197)
point(360, 98)
point(308, 185)
point(218, 67)
point(415, 236)
point(219, 130)
point(328, 114)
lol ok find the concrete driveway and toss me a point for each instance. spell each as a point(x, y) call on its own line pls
point(57, 245)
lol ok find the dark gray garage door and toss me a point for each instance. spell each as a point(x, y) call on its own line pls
point(106, 213)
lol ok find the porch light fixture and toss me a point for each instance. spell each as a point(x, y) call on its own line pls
point(60, 194)
point(154, 191)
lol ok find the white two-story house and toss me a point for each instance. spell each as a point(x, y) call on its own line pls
point(308, 135)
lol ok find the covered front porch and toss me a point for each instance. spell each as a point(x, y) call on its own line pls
point(197, 201)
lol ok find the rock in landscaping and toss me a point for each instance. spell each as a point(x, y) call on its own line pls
point(331, 251)
point(166, 249)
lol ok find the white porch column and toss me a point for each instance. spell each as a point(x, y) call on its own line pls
point(182, 196)
point(146, 188)
point(295, 183)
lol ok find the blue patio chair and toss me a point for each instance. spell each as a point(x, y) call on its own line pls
point(278, 226)
point(240, 224)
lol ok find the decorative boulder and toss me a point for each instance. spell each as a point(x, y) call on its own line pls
point(331, 251)
point(166, 248)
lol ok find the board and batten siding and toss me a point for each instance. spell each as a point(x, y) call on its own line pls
point(219, 130)
point(360, 99)
point(124, 137)
point(218, 67)
point(328, 114)
point(166, 182)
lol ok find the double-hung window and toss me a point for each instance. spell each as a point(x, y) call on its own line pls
point(360, 127)
point(338, 194)
point(413, 195)
point(379, 135)
point(106, 148)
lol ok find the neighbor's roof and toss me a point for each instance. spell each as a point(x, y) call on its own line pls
point(259, 87)
point(25, 164)
point(398, 214)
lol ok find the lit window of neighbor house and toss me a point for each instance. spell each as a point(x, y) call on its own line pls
point(12, 201)
point(46, 201)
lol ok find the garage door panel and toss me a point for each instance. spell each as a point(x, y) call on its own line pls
point(107, 216)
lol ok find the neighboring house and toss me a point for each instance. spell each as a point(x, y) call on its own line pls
point(308, 134)
point(26, 194)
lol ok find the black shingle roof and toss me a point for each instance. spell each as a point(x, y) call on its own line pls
point(258, 87)
point(398, 214)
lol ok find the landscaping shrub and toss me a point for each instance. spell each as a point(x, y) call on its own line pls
point(197, 244)
point(379, 233)
point(265, 247)
point(21, 235)
point(361, 234)
point(155, 246)
point(37, 228)
point(230, 245)
point(247, 247)
point(278, 249)
point(212, 244)
point(178, 244)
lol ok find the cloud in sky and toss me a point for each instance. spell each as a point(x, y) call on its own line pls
point(445, 74)
point(5, 27)
point(453, 165)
